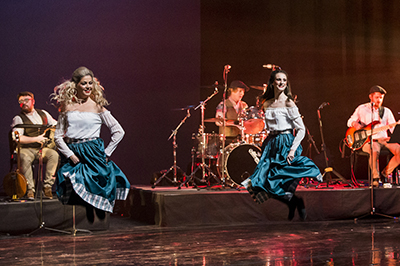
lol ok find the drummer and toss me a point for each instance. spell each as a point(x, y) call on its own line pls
point(234, 106)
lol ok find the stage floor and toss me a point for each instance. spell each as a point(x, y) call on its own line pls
point(367, 242)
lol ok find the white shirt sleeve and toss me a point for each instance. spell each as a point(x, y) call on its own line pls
point(17, 120)
point(117, 132)
point(59, 137)
point(300, 133)
point(390, 118)
point(355, 117)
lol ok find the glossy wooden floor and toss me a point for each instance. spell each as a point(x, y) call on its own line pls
point(371, 241)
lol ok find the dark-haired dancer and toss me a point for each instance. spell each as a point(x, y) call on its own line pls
point(281, 165)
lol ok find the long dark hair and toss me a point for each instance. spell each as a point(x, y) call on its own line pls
point(270, 93)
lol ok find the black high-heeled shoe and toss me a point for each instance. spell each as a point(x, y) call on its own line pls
point(90, 214)
point(100, 214)
point(292, 209)
point(301, 208)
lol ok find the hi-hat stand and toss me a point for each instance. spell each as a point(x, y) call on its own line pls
point(206, 170)
point(328, 169)
point(174, 167)
point(372, 211)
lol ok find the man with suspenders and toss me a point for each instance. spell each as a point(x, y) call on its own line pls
point(34, 126)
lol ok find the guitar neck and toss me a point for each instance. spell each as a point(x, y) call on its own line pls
point(17, 137)
point(380, 129)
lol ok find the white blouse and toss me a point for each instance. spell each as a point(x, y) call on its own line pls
point(283, 118)
point(85, 125)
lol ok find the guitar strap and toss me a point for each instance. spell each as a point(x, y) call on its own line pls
point(381, 111)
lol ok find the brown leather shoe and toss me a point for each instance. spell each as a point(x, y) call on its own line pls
point(30, 194)
point(47, 193)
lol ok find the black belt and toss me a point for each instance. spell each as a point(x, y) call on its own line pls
point(278, 132)
point(69, 140)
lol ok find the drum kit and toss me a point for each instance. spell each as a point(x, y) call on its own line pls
point(237, 161)
point(212, 161)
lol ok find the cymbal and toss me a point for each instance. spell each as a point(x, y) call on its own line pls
point(31, 126)
point(184, 108)
point(214, 119)
point(260, 88)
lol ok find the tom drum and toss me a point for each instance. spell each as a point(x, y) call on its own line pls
point(207, 144)
point(253, 120)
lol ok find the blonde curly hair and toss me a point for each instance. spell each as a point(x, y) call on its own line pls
point(65, 93)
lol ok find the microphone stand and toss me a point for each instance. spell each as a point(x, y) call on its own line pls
point(223, 166)
point(311, 143)
point(372, 211)
point(328, 170)
point(174, 167)
point(203, 166)
point(40, 179)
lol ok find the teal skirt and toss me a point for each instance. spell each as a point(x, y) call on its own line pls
point(93, 181)
point(274, 176)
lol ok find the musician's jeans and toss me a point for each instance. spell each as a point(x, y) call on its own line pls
point(50, 161)
point(394, 148)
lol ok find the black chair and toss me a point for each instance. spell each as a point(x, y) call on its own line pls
point(385, 154)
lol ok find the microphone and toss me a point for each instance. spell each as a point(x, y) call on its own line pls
point(271, 66)
point(216, 86)
point(323, 105)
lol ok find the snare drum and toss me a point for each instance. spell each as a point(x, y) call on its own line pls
point(240, 161)
point(256, 139)
point(253, 120)
point(209, 143)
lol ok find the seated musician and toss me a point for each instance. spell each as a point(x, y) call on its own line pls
point(233, 106)
point(362, 117)
point(32, 139)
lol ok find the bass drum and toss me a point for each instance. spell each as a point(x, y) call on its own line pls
point(240, 161)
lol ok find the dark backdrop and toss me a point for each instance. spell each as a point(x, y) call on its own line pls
point(147, 56)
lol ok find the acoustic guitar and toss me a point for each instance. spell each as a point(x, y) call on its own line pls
point(14, 183)
point(356, 139)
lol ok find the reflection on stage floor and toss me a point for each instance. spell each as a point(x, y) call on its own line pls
point(367, 242)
